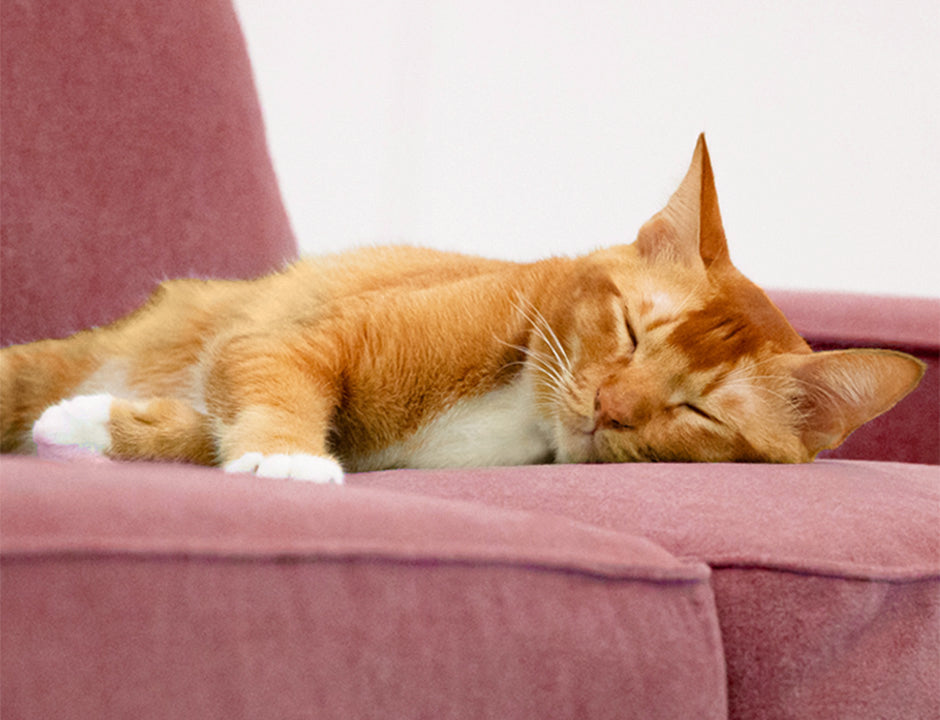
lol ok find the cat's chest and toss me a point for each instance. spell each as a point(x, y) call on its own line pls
point(500, 427)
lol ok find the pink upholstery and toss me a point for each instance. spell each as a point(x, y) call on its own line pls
point(152, 591)
point(826, 576)
point(133, 150)
point(825, 585)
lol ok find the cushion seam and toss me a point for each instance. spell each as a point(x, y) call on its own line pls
point(685, 571)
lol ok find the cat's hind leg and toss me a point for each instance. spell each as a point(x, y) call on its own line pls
point(163, 429)
point(37, 375)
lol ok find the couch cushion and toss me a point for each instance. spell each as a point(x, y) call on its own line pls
point(166, 591)
point(826, 575)
point(133, 150)
point(910, 432)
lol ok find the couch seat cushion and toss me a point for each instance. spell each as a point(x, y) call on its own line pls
point(168, 591)
point(826, 575)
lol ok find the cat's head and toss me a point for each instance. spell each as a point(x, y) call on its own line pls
point(662, 350)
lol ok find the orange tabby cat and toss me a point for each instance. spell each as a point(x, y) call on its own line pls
point(392, 357)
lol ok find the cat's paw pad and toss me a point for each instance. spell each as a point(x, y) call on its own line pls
point(80, 422)
point(297, 466)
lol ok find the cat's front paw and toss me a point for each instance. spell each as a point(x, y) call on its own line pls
point(297, 466)
point(80, 425)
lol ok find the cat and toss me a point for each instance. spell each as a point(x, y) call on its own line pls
point(659, 350)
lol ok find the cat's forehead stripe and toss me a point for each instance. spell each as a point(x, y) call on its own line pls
point(717, 334)
point(658, 323)
point(740, 321)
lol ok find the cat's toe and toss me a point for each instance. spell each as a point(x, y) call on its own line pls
point(300, 466)
point(296, 466)
point(81, 422)
point(247, 463)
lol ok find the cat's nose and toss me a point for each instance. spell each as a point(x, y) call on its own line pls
point(619, 409)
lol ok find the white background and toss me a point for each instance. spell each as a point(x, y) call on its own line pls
point(524, 128)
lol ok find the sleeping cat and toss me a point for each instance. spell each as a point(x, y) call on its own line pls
point(402, 357)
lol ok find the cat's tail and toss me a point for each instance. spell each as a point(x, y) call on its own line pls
point(35, 376)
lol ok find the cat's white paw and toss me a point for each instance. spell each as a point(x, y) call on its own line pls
point(297, 466)
point(80, 422)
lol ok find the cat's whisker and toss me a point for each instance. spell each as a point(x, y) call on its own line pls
point(551, 331)
point(553, 382)
point(556, 381)
point(827, 392)
point(544, 330)
point(762, 394)
point(742, 376)
point(545, 372)
point(537, 358)
point(540, 363)
point(541, 334)
point(765, 391)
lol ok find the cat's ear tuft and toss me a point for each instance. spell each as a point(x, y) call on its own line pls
point(841, 390)
point(689, 228)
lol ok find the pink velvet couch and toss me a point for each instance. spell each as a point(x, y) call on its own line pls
point(133, 150)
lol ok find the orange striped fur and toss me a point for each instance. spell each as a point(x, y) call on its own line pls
point(382, 357)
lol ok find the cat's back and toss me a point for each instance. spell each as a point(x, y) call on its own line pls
point(304, 291)
point(387, 268)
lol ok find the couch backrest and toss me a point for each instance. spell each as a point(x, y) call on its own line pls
point(132, 150)
point(910, 432)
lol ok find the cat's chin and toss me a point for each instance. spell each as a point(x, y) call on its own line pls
point(576, 446)
point(594, 445)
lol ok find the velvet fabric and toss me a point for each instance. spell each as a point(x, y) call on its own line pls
point(133, 151)
point(134, 590)
point(826, 575)
point(498, 592)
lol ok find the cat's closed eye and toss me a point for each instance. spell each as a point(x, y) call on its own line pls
point(631, 333)
point(695, 409)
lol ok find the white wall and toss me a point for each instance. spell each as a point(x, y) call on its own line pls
point(522, 128)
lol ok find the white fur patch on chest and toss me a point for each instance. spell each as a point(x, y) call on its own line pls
point(501, 427)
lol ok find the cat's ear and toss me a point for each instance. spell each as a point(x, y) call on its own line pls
point(838, 391)
point(689, 228)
